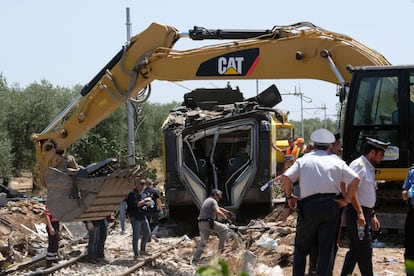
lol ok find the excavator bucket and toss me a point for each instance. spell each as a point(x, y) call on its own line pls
point(79, 198)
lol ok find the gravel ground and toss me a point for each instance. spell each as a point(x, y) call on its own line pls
point(118, 251)
point(275, 259)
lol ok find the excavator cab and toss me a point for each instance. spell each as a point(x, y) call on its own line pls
point(380, 105)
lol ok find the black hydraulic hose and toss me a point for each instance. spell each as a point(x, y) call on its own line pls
point(87, 88)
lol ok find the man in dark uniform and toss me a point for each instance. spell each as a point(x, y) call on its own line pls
point(320, 176)
point(333, 149)
point(360, 248)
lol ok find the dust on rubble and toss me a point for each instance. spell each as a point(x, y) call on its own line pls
point(263, 247)
point(22, 232)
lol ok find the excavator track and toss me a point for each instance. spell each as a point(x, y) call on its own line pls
point(77, 198)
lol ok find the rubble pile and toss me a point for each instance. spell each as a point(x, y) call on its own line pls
point(23, 237)
point(19, 237)
point(263, 247)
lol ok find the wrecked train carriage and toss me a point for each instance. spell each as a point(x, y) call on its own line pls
point(217, 139)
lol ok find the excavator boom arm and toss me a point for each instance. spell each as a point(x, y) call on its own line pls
point(299, 51)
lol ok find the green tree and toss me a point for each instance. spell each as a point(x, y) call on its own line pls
point(29, 111)
point(6, 156)
point(150, 131)
point(309, 125)
point(108, 139)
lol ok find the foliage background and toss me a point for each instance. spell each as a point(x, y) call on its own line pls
point(30, 110)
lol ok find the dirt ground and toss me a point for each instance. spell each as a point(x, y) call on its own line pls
point(24, 216)
point(386, 261)
point(268, 261)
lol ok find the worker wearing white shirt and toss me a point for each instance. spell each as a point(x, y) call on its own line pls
point(320, 176)
point(360, 249)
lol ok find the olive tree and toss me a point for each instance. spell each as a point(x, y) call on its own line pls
point(6, 155)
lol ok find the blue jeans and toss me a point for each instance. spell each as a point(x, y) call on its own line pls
point(138, 227)
point(97, 238)
point(93, 235)
point(122, 209)
point(103, 232)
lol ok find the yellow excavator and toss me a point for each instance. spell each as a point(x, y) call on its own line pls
point(298, 51)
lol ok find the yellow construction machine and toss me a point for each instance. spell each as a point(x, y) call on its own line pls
point(298, 51)
point(284, 131)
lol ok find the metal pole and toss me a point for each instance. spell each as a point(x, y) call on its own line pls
point(301, 110)
point(319, 108)
point(128, 24)
point(302, 98)
point(131, 127)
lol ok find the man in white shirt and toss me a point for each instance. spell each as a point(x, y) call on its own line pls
point(360, 249)
point(320, 176)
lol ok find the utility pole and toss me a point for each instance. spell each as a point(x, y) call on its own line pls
point(324, 112)
point(301, 109)
point(302, 99)
point(131, 127)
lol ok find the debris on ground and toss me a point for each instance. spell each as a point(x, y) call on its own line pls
point(262, 247)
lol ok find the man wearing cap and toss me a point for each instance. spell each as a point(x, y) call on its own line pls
point(154, 210)
point(360, 248)
point(319, 175)
point(334, 150)
point(137, 206)
point(300, 148)
point(289, 150)
point(207, 223)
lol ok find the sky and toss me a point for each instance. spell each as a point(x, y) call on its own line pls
point(68, 42)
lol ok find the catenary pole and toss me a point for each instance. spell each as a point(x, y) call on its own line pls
point(131, 127)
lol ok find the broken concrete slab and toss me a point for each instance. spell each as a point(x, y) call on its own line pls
point(76, 229)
